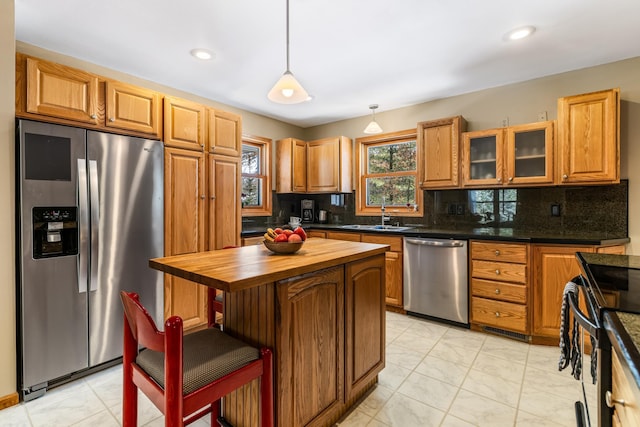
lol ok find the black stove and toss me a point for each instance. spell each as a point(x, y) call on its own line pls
point(614, 281)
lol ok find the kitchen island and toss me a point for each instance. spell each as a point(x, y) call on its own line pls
point(322, 311)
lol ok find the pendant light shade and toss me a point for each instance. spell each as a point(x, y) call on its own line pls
point(373, 126)
point(287, 90)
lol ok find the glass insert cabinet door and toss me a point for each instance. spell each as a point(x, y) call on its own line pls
point(483, 157)
point(529, 153)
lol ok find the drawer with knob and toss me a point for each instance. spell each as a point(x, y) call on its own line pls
point(503, 252)
point(500, 314)
point(501, 271)
point(499, 291)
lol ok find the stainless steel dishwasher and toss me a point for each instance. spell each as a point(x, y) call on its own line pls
point(435, 279)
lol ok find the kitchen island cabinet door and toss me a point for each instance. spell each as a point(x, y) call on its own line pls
point(184, 210)
point(365, 323)
point(589, 138)
point(310, 348)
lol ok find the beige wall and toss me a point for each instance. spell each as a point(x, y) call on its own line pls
point(7, 263)
point(520, 103)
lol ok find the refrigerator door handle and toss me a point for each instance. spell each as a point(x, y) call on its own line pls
point(83, 252)
point(95, 217)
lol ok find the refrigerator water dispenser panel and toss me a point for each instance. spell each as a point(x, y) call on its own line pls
point(55, 231)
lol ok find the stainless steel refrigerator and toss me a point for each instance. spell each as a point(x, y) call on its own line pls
point(89, 217)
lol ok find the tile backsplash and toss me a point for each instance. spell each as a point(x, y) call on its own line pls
point(562, 209)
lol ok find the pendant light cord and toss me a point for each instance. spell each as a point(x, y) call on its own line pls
point(288, 36)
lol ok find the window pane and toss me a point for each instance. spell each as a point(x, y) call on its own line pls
point(400, 157)
point(251, 192)
point(397, 191)
point(250, 159)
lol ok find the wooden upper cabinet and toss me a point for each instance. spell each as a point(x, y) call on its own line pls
point(329, 165)
point(589, 138)
point(225, 133)
point(184, 124)
point(439, 148)
point(133, 108)
point(291, 170)
point(482, 158)
point(225, 222)
point(512, 156)
point(59, 91)
point(529, 153)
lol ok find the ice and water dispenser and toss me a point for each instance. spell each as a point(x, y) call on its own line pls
point(55, 231)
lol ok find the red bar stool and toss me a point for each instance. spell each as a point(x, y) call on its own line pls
point(186, 375)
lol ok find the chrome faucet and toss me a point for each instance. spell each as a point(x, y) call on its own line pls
point(385, 217)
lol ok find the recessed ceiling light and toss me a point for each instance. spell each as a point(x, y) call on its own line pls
point(520, 33)
point(203, 54)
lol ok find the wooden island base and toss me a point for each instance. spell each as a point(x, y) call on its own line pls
point(326, 326)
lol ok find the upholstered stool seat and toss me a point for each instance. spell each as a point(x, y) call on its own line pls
point(207, 355)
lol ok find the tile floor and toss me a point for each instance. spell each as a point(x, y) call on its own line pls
point(435, 375)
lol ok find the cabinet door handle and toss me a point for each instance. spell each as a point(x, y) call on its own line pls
point(497, 252)
point(111, 119)
point(203, 197)
point(497, 271)
point(497, 291)
point(608, 397)
point(213, 197)
point(565, 176)
point(497, 314)
point(499, 180)
point(510, 178)
point(93, 116)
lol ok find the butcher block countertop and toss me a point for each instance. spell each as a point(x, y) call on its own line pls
point(245, 267)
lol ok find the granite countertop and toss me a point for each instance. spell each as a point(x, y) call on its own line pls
point(479, 233)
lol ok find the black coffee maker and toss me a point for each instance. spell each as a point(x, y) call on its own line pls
point(307, 210)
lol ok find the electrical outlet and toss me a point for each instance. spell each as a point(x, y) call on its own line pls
point(505, 122)
point(451, 209)
point(460, 209)
point(555, 210)
point(542, 116)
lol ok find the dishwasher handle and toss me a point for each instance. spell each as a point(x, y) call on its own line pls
point(436, 243)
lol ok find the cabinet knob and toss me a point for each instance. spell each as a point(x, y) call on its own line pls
point(497, 291)
point(202, 197)
point(497, 314)
point(213, 197)
point(497, 252)
point(510, 179)
point(565, 176)
point(111, 119)
point(93, 116)
point(497, 271)
point(499, 180)
point(608, 397)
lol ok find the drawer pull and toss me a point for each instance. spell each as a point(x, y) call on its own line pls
point(497, 252)
point(497, 272)
point(497, 291)
point(497, 314)
point(608, 397)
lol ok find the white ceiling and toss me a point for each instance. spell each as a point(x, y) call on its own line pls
point(346, 53)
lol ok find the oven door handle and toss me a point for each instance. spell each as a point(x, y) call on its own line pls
point(584, 321)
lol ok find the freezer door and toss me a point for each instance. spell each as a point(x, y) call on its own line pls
point(127, 228)
point(52, 311)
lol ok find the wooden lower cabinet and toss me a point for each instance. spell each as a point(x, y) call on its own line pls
point(365, 324)
point(316, 233)
point(310, 347)
point(500, 285)
point(247, 241)
point(394, 272)
point(624, 394)
point(554, 266)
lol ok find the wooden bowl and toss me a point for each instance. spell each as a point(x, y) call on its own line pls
point(283, 247)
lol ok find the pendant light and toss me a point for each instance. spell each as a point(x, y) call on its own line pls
point(373, 126)
point(287, 90)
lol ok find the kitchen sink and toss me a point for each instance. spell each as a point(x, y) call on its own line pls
point(376, 227)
